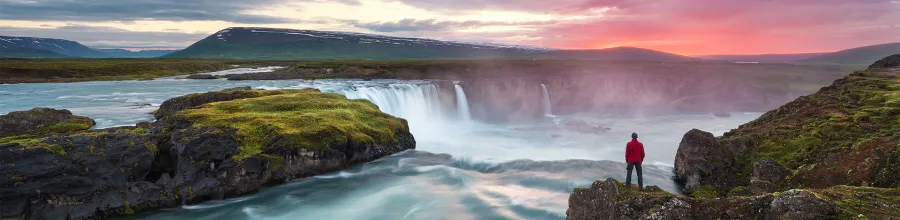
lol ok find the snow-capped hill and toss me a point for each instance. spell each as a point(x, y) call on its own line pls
point(273, 43)
point(46, 47)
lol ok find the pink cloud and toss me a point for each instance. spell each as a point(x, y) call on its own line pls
point(734, 27)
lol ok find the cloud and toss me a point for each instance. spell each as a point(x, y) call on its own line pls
point(128, 10)
point(431, 25)
point(740, 26)
point(107, 37)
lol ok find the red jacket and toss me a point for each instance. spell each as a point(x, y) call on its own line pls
point(634, 151)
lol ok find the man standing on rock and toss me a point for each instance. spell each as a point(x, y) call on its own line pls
point(634, 156)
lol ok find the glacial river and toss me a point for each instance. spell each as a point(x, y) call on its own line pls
point(462, 169)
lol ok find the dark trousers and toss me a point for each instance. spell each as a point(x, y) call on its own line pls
point(632, 165)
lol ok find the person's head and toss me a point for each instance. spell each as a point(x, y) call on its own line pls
point(634, 135)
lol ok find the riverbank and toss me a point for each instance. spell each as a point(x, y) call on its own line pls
point(82, 70)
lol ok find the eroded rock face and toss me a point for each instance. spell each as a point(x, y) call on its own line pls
point(93, 176)
point(702, 160)
point(41, 120)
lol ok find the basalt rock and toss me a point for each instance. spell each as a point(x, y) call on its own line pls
point(40, 121)
point(610, 199)
point(201, 76)
point(95, 173)
point(121, 171)
point(702, 161)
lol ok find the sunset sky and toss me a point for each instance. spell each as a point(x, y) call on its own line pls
point(680, 26)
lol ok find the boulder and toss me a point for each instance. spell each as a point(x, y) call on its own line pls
point(770, 171)
point(40, 121)
point(701, 160)
point(800, 205)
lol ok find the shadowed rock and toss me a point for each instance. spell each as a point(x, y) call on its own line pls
point(41, 121)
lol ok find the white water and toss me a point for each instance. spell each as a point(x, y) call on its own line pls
point(548, 110)
point(462, 104)
point(460, 170)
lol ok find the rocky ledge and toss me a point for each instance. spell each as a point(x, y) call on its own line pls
point(832, 154)
point(203, 146)
point(610, 199)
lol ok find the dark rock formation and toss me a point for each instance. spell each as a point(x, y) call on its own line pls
point(41, 120)
point(99, 174)
point(201, 76)
point(120, 171)
point(702, 161)
point(887, 62)
point(611, 200)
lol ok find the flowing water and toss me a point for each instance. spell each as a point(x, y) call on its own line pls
point(545, 101)
point(462, 169)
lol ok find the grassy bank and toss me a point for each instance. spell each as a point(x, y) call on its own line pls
point(77, 70)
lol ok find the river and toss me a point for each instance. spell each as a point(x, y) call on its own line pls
point(463, 168)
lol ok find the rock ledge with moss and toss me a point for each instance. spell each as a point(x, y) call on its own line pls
point(834, 154)
point(203, 146)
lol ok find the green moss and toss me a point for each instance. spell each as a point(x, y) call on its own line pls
point(70, 125)
point(128, 209)
point(705, 192)
point(306, 119)
point(869, 202)
point(152, 147)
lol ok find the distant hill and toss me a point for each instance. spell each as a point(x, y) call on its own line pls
point(24, 52)
point(122, 53)
point(616, 53)
point(34, 47)
point(860, 55)
point(768, 58)
point(268, 43)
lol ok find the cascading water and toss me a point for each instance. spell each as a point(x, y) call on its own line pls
point(459, 170)
point(462, 104)
point(548, 110)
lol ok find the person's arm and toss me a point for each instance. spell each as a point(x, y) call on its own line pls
point(627, 151)
point(642, 152)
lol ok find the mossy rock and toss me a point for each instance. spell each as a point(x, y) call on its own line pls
point(40, 121)
point(296, 120)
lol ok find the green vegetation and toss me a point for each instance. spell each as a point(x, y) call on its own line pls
point(73, 70)
point(865, 202)
point(705, 192)
point(830, 132)
point(70, 125)
point(307, 119)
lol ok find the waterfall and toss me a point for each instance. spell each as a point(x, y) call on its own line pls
point(462, 104)
point(548, 110)
point(416, 103)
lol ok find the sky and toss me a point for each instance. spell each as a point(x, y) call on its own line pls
point(689, 27)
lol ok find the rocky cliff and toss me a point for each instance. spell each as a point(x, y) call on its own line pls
point(204, 146)
point(832, 154)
